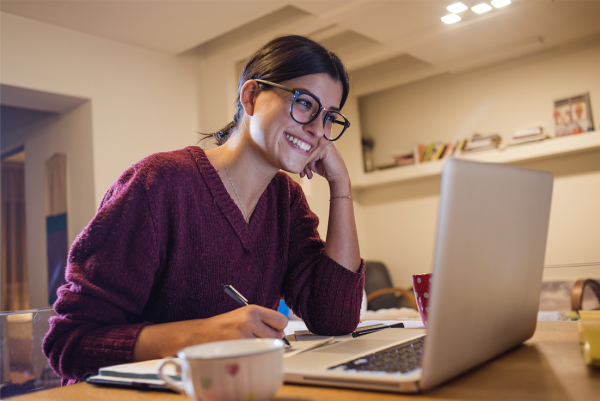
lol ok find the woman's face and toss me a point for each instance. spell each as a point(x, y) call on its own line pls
point(289, 145)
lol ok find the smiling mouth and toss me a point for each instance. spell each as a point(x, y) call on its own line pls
point(298, 143)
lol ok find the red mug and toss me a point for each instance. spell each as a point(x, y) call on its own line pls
point(421, 284)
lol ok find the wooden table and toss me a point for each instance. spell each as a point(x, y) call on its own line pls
point(547, 367)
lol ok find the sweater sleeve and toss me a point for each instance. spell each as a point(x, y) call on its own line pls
point(324, 294)
point(110, 271)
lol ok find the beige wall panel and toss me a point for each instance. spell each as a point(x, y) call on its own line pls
point(493, 99)
point(400, 218)
point(142, 101)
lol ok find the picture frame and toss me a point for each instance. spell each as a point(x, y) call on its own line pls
point(573, 115)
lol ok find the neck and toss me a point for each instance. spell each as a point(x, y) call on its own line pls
point(245, 167)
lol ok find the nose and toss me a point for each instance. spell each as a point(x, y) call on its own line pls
point(316, 127)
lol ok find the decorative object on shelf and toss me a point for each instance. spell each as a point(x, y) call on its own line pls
point(405, 159)
point(480, 142)
point(517, 155)
point(367, 147)
point(573, 115)
point(528, 135)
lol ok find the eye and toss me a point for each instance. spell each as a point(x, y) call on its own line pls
point(331, 118)
point(307, 104)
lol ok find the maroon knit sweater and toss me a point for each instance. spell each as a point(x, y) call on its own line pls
point(165, 238)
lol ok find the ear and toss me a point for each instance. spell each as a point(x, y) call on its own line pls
point(248, 96)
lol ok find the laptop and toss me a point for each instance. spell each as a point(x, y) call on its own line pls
point(486, 279)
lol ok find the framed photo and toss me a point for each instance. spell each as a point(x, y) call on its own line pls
point(573, 115)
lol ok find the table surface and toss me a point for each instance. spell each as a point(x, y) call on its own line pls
point(549, 366)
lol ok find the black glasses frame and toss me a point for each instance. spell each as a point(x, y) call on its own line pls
point(297, 94)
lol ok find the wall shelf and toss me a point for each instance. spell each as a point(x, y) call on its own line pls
point(554, 147)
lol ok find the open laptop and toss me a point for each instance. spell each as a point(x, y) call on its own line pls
point(486, 278)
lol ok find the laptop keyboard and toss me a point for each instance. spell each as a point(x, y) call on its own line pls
point(398, 359)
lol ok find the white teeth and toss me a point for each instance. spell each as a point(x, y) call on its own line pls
point(299, 143)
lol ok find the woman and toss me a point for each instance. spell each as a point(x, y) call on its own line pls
point(144, 277)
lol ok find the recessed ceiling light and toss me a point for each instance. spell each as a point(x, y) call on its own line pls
point(481, 8)
point(457, 7)
point(451, 18)
point(500, 3)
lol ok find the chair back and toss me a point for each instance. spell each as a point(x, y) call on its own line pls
point(377, 277)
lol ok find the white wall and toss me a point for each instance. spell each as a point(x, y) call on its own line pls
point(140, 102)
point(400, 218)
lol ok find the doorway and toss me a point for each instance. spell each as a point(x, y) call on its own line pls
point(15, 289)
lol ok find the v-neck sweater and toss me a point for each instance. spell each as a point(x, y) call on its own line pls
point(165, 238)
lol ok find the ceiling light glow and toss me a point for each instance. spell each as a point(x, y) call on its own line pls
point(451, 18)
point(459, 7)
point(481, 8)
point(500, 3)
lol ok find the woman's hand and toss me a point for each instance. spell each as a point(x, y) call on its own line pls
point(252, 321)
point(328, 164)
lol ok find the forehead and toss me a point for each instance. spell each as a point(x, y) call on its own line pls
point(326, 89)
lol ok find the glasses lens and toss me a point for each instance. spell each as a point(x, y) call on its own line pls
point(335, 125)
point(305, 108)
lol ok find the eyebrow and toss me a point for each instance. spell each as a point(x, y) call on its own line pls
point(332, 108)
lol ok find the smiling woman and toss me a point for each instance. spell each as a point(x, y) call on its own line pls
point(145, 275)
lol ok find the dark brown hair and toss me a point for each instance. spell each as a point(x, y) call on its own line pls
point(283, 58)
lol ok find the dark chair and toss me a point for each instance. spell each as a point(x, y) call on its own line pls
point(381, 294)
point(579, 290)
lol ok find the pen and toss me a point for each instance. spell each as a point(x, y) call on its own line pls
point(361, 331)
point(240, 299)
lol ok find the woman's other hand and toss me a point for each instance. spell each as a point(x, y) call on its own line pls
point(252, 321)
point(328, 164)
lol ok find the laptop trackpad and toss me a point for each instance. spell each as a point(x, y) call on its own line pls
point(355, 347)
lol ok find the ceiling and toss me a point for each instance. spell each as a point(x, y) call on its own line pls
point(403, 40)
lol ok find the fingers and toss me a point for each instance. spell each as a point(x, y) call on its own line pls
point(273, 318)
point(308, 172)
point(263, 323)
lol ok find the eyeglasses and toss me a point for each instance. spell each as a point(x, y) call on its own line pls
point(306, 108)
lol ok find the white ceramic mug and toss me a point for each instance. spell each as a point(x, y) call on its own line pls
point(245, 370)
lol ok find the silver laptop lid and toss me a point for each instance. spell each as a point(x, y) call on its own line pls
point(488, 262)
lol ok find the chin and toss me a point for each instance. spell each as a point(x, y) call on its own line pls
point(292, 170)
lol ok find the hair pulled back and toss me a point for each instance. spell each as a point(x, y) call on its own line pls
point(283, 58)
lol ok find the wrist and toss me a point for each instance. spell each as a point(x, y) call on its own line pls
point(340, 188)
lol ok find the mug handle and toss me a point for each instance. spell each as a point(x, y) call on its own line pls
point(170, 383)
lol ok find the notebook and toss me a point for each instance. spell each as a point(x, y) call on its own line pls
point(487, 271)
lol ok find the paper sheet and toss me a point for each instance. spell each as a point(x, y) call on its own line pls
point(298, 325)
point(301, 346)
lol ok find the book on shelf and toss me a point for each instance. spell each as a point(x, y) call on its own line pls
point(527, 132)
point(527, 135)
point(528, 139)
point(460, 148)
point(437, 153)
point(449, 150)
point(419, 151)
point(480, 142)
point(428, 151)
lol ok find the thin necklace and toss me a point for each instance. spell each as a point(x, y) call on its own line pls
point(247, 217)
